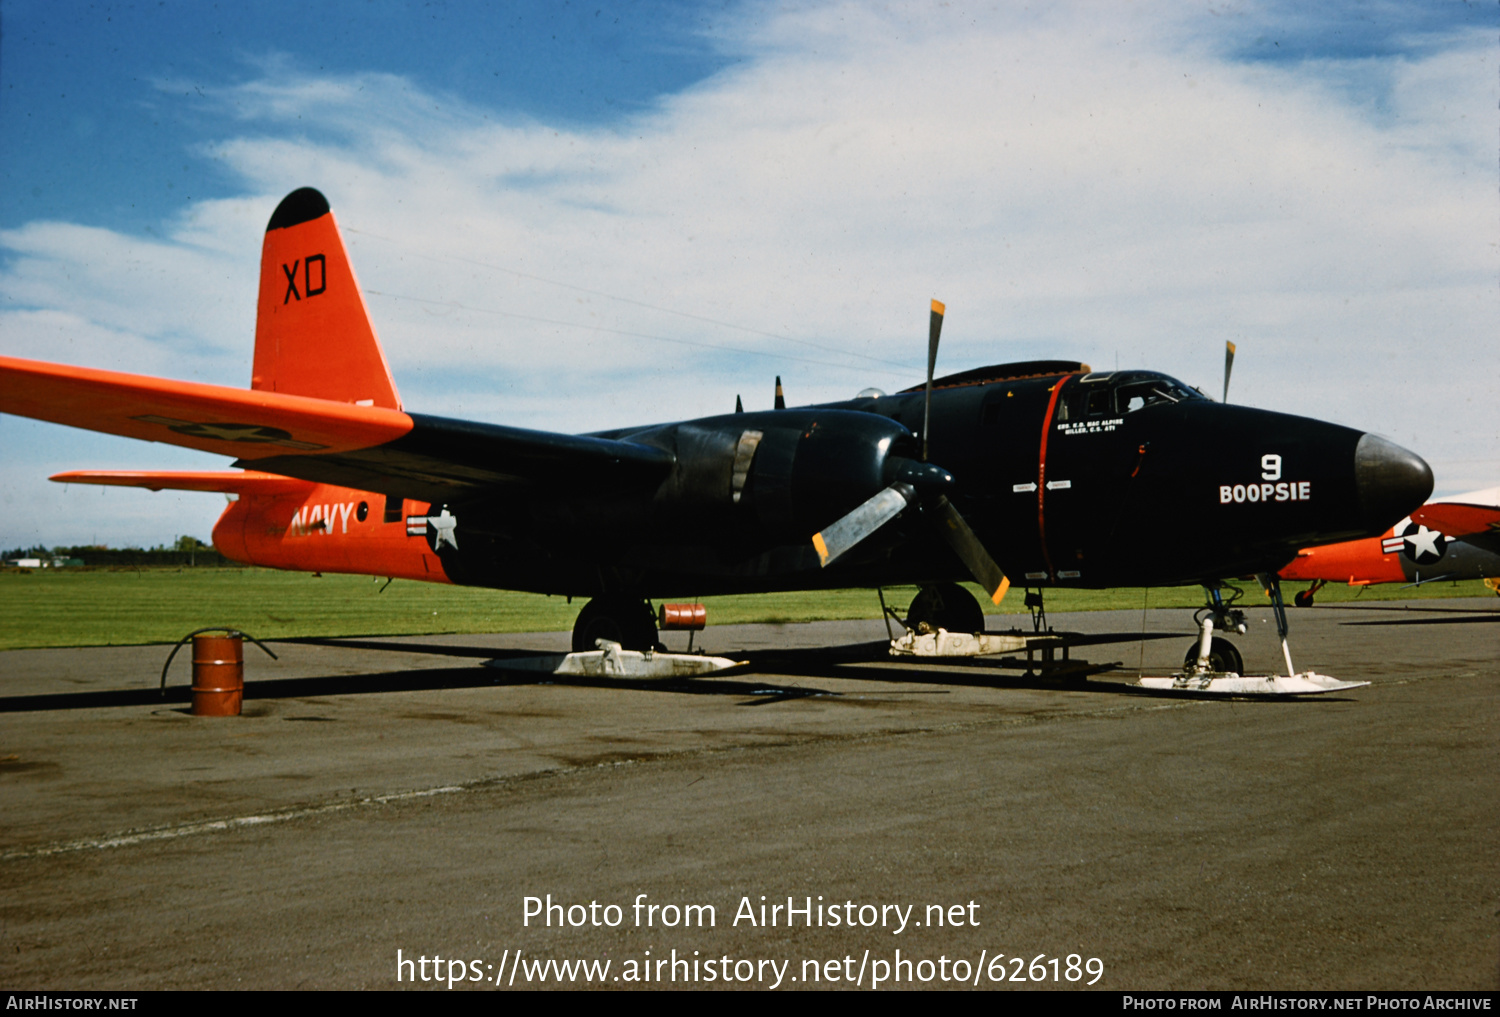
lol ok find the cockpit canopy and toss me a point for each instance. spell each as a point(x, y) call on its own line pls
point(1114, 394)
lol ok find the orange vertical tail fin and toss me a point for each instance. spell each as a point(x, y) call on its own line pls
point(313, 335)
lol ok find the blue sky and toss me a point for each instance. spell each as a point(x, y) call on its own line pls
point(576, 216)
point(103, 105)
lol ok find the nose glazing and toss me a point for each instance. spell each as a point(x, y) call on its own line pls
point(1391, 482)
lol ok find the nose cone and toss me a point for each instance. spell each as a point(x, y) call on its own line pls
point(1391, 481)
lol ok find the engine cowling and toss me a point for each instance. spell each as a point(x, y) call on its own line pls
point(783, 474)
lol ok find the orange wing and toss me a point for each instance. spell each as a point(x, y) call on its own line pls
point(1457, 520)
point(224, 481)
point(214, 418)
point(1473, 518)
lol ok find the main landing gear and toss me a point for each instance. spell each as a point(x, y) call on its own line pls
point(619, 619)
point(944, 606)
point(615, 637)
point(951, 607)
point(945, 620)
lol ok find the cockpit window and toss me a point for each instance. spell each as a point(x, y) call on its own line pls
point(1122, 393)
point(1137, 395)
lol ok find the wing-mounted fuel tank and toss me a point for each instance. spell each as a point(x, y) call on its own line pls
point(772, 476)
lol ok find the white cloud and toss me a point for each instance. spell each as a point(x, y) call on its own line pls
point(1121, 190)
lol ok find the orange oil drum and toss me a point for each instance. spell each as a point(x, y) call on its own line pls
point(218, 675)
point(682, 617)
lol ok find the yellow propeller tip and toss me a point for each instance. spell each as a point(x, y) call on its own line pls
point(821, 548)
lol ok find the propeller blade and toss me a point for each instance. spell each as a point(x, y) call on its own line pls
point(1228, 366)
point(934, 329)
point(780, 398)
point(834, 540)
point(971, 552)
point(739, 407)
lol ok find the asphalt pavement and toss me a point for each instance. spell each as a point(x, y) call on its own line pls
point(383, 802)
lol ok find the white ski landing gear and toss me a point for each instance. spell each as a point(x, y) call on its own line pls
point(1231, 684)
point(613, 661)
point(1200, 678)
point(943, 643)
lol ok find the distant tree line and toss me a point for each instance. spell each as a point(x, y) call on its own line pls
point(186, 551)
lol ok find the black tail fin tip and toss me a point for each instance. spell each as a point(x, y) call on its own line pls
point(303, 205)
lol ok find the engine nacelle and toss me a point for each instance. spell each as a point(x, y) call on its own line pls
point(806, 475)
point(779, 474)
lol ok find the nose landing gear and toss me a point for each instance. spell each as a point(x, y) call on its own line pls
point(1221, 655)
point(1208, 670)
point(1210, 653)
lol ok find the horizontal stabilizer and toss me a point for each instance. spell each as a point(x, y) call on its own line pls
point(1473, 518)
point(224, 481)
point(213, 418)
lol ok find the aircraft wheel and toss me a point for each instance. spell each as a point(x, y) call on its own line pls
point(619, 619)
point(945, 606)
point(1303, 599)
point(1222, 656)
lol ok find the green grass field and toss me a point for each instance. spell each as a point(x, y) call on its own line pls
point(101, 607)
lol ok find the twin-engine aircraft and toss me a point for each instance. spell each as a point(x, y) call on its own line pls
point(1045, 473)
point(1455, 538)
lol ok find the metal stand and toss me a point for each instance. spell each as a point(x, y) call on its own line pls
point(1038, 609)
point(888, 614)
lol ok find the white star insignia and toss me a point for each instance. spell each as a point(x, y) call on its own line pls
point(1424, 541)
point(446, 526)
